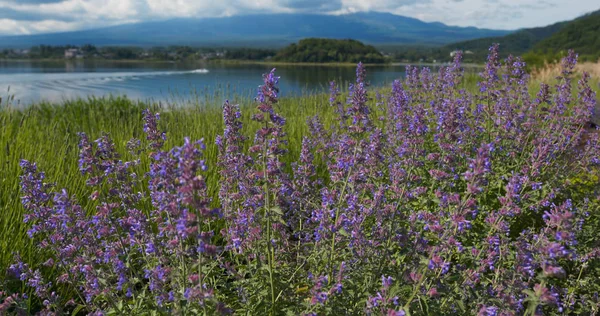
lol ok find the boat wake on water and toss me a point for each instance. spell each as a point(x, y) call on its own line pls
point(99, 76)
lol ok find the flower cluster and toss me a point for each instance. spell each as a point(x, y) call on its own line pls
point(429, 200)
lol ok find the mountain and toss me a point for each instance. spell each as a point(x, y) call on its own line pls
point(580, 34)
point(273, 30)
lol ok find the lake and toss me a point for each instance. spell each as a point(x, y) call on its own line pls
point(56, 81)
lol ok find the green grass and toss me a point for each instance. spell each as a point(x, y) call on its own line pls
point(47, 134)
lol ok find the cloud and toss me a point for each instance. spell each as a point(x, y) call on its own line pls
point(499, 14)
point(8, 26)
point(39, 1)
point(81, 9)
point(34, 16)
point(15, 15)
point(379, 5)
point(312, 5)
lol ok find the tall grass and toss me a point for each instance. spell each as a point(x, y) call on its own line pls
point(47, 133)
point(549, 72)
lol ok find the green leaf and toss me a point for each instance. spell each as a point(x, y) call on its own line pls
point(461, 304)
point(77, 309)
point(282, 221)
point(343, 232)
point(277, 210)
point(426, 306)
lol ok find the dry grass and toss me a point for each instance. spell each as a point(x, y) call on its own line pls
point(549, 72)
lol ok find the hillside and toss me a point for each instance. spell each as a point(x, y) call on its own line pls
point(516, 43)
point(266, 30)
point(581, 35)
point(319, 50)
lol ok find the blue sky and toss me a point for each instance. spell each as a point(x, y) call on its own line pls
point(41, 16)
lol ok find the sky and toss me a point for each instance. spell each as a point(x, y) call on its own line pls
point(43, 16)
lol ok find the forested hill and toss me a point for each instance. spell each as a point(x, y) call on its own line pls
point(516, 43)
point(581, 35)
point(319, 50)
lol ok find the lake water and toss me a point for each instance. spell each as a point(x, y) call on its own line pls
point(35, 81)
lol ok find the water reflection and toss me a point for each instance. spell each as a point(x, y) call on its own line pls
point(55, 81)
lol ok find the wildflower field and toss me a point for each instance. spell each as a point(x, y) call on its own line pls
point(435, 196)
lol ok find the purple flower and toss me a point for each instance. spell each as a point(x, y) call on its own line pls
point(156, 137)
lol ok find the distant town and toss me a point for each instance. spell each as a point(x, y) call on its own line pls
point(192, 54)
point(174, 53)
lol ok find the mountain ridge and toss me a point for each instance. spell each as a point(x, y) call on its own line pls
point(581, 35)
point(524, 40)
point(268, 30)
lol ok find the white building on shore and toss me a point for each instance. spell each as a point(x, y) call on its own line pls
point(73, 53)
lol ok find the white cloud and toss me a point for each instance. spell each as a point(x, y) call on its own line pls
point(84, 11)
point(36, 16)
point(378, 5)
point(44, 26)
point(499, 14)
point(8, 26)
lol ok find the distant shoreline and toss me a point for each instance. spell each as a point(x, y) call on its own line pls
point(205, 62)
point(132, 61)
point(284, 63)
point(233, 62)
point(467, 65)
